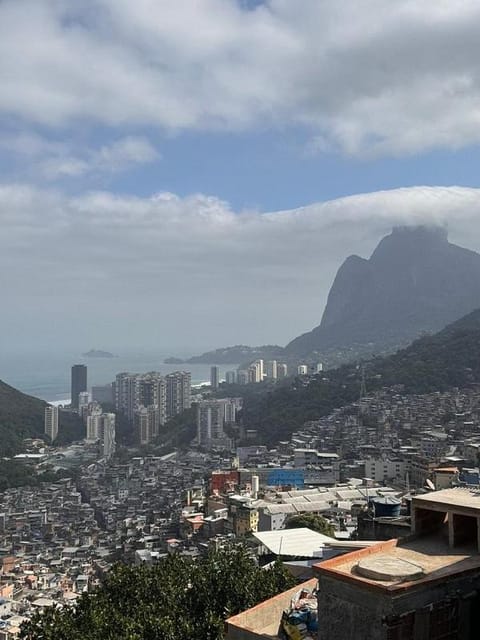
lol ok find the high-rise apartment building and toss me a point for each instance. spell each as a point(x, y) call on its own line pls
point(108, 434)
point(255, 371)
point(125, 393)
point(92, 417)
point(212, 415)
point(214, 377)
point(79, 383)
point(103, 394)
point(210, 421)
point(178, 392)
point(101, 426)
point(146, 423)
point(83, 402)
point(261, 370)
point(243, 376)
point(133, 390)
point(271, 369)
point(231, 377)
point(232, 406)
point(51, 422)
point(152, 391)
point(93, 427)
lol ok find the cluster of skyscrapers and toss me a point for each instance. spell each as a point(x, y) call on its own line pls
point(261, 370)
point(257, 371)
point(148, 400)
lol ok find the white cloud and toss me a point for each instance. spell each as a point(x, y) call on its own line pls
point(170, 270)
point(53, 159)
point(376, 76)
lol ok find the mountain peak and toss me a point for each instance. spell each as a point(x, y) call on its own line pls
point(421, 232)
point(412, 242)
point(414, 282)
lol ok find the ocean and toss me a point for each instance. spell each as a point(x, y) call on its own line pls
point(47, 375)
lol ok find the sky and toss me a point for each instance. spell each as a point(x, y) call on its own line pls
point(195, 172)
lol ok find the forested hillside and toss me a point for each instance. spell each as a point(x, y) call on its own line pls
point(22, 416)
point(450, 358)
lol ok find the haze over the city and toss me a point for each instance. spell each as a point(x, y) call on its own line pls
point(193, 173)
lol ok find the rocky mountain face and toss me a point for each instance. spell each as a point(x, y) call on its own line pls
point(414, 282)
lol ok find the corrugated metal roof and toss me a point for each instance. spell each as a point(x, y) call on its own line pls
point(307, 507)
point(294, 542)
point(273, 509)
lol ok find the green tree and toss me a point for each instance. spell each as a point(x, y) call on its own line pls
point(176, 599)
point(313, 522)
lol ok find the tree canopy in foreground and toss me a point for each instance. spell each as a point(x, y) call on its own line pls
point(176, 599)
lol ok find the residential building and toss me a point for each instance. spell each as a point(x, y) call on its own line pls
point(93, 426)
point(178, 392)
point(51, 422)
point(101, 426)
point(83, 400)
point(108, 434)
point(302, 369)
point(256, 372)
point(420, 469)
point(232, 406)
point(146, 420)
point(383, 469)
point(134, 390)
point(103, 394)
point(271, 369)
point(243, 376)
point(212, 415)
point(210, 421)
point(246, 520)
point(231, 377)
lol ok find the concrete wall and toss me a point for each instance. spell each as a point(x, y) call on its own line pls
point(263, 620)
point(348, 613)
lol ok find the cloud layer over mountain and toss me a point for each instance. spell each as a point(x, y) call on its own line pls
point(166, 268)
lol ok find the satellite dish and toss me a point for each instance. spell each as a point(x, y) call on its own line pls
point(430, 485)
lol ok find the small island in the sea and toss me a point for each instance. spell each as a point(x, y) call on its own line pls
point(98, 353)
point(173, 360)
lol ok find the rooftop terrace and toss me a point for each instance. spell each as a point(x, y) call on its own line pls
point(398, 565)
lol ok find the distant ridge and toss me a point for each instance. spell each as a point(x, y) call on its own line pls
point(237, 354)
point(414, 282)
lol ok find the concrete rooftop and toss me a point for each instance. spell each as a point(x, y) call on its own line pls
point(432, 555)
point(450, 499)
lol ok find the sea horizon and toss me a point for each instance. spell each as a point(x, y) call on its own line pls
point(47, 375)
